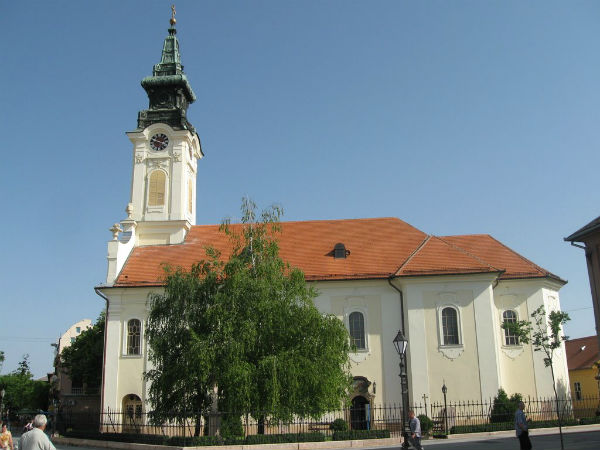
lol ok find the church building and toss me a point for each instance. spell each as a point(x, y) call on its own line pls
point(449, 294)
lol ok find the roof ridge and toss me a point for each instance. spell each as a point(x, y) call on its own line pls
point(413, 254)
point(466, 252)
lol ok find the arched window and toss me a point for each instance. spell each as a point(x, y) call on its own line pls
point(509, 337)
point(450, 326)
point(156, 190)
point(356, 323)
point(134, 337)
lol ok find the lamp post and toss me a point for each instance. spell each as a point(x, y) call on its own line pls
point(401, 343)
point(444, 390)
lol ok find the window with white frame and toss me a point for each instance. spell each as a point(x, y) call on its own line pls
point(450, 332)
point(577, 386)
point(510, 338)
point(356, 323)
point(134, 337)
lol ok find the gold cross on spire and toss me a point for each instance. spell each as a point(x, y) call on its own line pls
point(173, 21)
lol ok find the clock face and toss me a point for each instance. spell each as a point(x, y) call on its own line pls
point(159, 141)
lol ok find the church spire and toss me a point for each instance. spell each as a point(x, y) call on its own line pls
point(169, 91)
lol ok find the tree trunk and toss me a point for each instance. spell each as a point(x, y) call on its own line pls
point(562, 446)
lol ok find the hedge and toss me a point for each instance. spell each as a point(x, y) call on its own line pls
point(503, 426)
point(360, 434)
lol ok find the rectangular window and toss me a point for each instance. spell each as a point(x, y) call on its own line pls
point(577, 386)
point(78, 329)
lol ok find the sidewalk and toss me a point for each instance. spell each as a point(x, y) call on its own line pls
point(364, 444)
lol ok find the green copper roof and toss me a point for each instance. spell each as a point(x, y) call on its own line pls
point(169, 91)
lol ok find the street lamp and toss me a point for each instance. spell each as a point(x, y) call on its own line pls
point(444, 390)
point(401, 343)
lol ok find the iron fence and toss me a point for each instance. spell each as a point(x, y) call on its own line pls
point(460, 417)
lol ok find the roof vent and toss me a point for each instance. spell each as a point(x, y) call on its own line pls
point(339, 251)
point(582, 348)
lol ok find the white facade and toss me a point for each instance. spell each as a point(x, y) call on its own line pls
point(472, 370)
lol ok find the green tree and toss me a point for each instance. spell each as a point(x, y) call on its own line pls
point(545, 333)
point(245, 328)
point(1, 360)
point(504, 408)
point(22, 392)
point(82, 360)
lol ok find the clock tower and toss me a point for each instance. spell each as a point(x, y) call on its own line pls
point(166, 149)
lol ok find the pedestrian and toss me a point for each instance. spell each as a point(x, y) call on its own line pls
point(521, 428)
point(6, 441)
point(36, 439)
point(415, 430)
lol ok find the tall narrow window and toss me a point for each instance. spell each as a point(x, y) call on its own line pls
point(134, 328)
point(450, 326)
point(156, 191)
point(577, 386)
point(190, 196)
point(356, 322)
point(509, 337)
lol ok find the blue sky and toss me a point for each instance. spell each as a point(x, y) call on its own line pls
point(457, 117)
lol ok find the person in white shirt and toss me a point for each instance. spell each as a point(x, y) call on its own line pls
point(36, 439)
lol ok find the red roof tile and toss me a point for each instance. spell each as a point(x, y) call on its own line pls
point(379, 248)
point(488, 249)
point(582, 353)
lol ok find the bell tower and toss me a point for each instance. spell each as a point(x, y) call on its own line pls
point(166, 149)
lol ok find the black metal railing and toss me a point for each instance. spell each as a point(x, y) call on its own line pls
point(460, 417)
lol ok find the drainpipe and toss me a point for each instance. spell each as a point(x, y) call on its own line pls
point(104, 351)
point(401, 303)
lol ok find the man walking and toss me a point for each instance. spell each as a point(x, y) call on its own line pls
point(36, 439)
point(521, 427)
point(415, 430)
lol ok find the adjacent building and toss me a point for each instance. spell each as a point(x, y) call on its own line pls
point(583, 359)
point(449, 294)
point(589, 236)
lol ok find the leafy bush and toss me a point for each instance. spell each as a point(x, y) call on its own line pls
point(339, 425)
point(231, 426)
point(284, 438)
point(360, 434)
point(426, 423)
point(504, 408)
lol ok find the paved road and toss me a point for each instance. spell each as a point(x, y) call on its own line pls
point(573, 441)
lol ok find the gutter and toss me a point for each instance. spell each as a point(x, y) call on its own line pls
point(104, 349)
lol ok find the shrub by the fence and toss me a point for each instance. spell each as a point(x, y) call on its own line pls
point(360, 434)
point(284, 438)
point(339, 425)
point(426, 423)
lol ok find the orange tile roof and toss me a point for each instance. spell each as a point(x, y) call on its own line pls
point(486, 248)
point(582, 353)
point(379, 248)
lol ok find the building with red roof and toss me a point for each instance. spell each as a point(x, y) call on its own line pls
point(449, 294)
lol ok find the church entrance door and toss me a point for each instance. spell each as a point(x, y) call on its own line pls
point(358, 413)
point(132, 414)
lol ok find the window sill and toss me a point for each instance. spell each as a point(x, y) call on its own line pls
point(132, 356)
point(451, 351)
point(512, 351)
